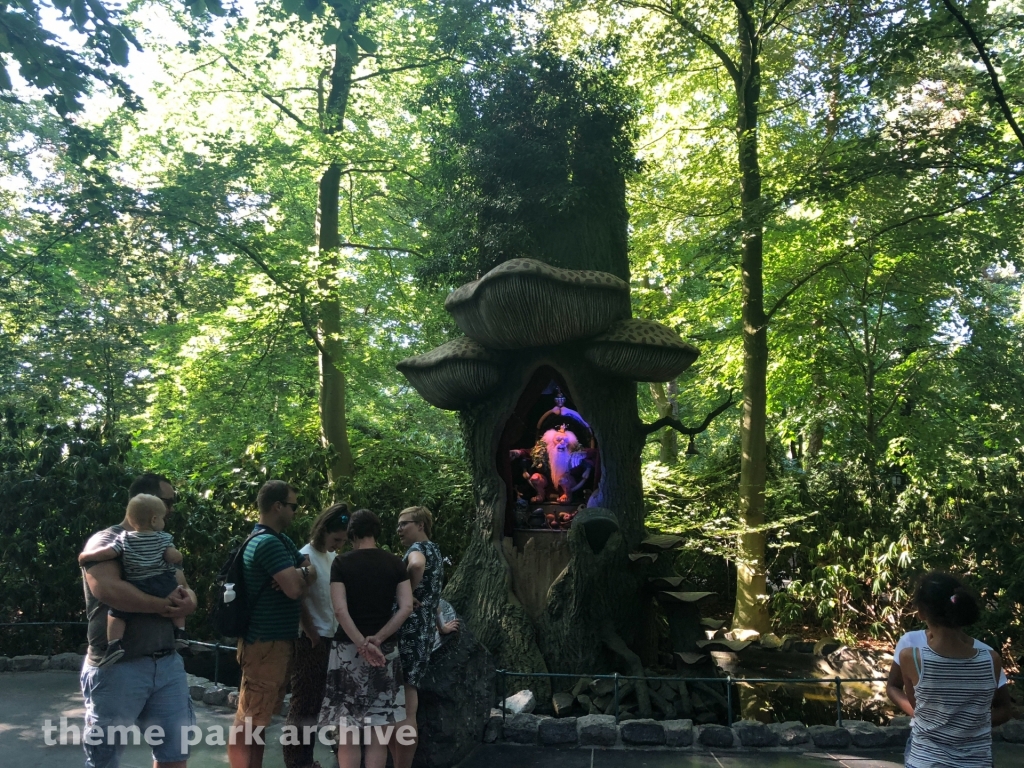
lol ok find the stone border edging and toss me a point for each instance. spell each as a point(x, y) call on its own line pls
point(592, 731)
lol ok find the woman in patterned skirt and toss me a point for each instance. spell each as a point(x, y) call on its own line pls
point(364, 673)
point(950, 682)
point(416, 637)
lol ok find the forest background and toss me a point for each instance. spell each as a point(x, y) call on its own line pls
point(221, 225)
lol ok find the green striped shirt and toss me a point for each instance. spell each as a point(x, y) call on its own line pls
point(272, 614)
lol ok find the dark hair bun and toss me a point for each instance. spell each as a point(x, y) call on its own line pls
point(944, 600)
point(363, 524)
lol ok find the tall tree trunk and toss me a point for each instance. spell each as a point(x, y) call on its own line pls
point(667, 406)
point(751, 611)
point(333, 421)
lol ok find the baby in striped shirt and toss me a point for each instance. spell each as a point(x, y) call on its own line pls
point(149, 561)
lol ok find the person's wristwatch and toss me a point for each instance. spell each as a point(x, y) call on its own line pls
point(305, 573)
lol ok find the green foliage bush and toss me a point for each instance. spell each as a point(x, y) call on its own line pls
point(60, 484)
point(846, 547)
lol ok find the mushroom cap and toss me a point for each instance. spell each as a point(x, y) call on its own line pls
point(526, 303)
point(454, 375)
point(641, 350)
point(598, 524)
point(661, 541)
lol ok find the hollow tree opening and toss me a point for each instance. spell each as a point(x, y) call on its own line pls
point(547, 457)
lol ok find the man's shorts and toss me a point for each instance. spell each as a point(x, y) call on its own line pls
point(147, 692)
point(266, 670)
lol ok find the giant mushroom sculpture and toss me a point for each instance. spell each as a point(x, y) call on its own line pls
point(454, 375)
point(526, 303)
point(641, 350)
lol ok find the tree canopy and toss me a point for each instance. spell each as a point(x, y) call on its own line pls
point(210, 264)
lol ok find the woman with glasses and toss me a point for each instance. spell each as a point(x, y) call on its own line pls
point(317, 626)
point(416, 637)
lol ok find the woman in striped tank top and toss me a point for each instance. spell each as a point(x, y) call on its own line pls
point(949, 682)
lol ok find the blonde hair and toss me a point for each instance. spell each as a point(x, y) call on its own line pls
point(142, 508)
point(419, 515)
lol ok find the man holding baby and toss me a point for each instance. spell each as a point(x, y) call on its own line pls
point(132, 675)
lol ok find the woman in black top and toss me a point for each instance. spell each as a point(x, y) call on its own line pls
point(364, 673)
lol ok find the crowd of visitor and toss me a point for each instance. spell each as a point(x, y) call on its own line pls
point(351, 634)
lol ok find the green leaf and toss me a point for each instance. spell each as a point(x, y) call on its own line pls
point(331, 35)
point(5, 79)
point(364, 42)
point(215, 7)
point(118, 48)
point(198, 8)
point(293, 6)
point(79, 13)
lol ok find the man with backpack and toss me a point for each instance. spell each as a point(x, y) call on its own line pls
point(275, 578)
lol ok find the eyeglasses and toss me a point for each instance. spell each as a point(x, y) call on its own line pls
point(293, 504)
point(168, 502)
point(403, 523)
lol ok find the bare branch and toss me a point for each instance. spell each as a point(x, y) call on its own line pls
point(979, 46)
point(270, 97)
point(671, 421)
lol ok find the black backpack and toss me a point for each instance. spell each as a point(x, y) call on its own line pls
point(231, 619)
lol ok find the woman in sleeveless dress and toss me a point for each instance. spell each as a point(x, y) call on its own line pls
point(416, 637)
point(949, 682)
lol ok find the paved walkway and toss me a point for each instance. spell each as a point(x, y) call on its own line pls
point(27, 699)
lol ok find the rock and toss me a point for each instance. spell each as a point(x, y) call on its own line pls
point(522, 728)
point(597, 731)
point(742, 634)
point(896, 735)
point(5, 664)
point(72, 662)
point(455, 698)
point(580, 687)
point(865, 735)
point(557, 731)
point(678, 733)
point(643, 732)
point(788, 641)
point(587, 704)
point(901, 721)
point(791, 732)
point(493, 727)
point(770, 641)
point(523, 702)
point(603, 687)
point(997, 733)
point(285, 705)
point(826, 645)
point(232, 700)
point(216, 697)
point(562, 703)
point(28, 663)
point(829, 736)
point(197, 691)
point(1013, 731)
point(752, 733)
point(715, 736)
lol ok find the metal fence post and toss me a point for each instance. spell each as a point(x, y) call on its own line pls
point(616, 697)
point(501, 692)
point(216, 663)
point(728, 699)
point(839, 700)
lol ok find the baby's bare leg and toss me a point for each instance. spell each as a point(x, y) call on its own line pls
point(115, 628)
point(179, 622)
